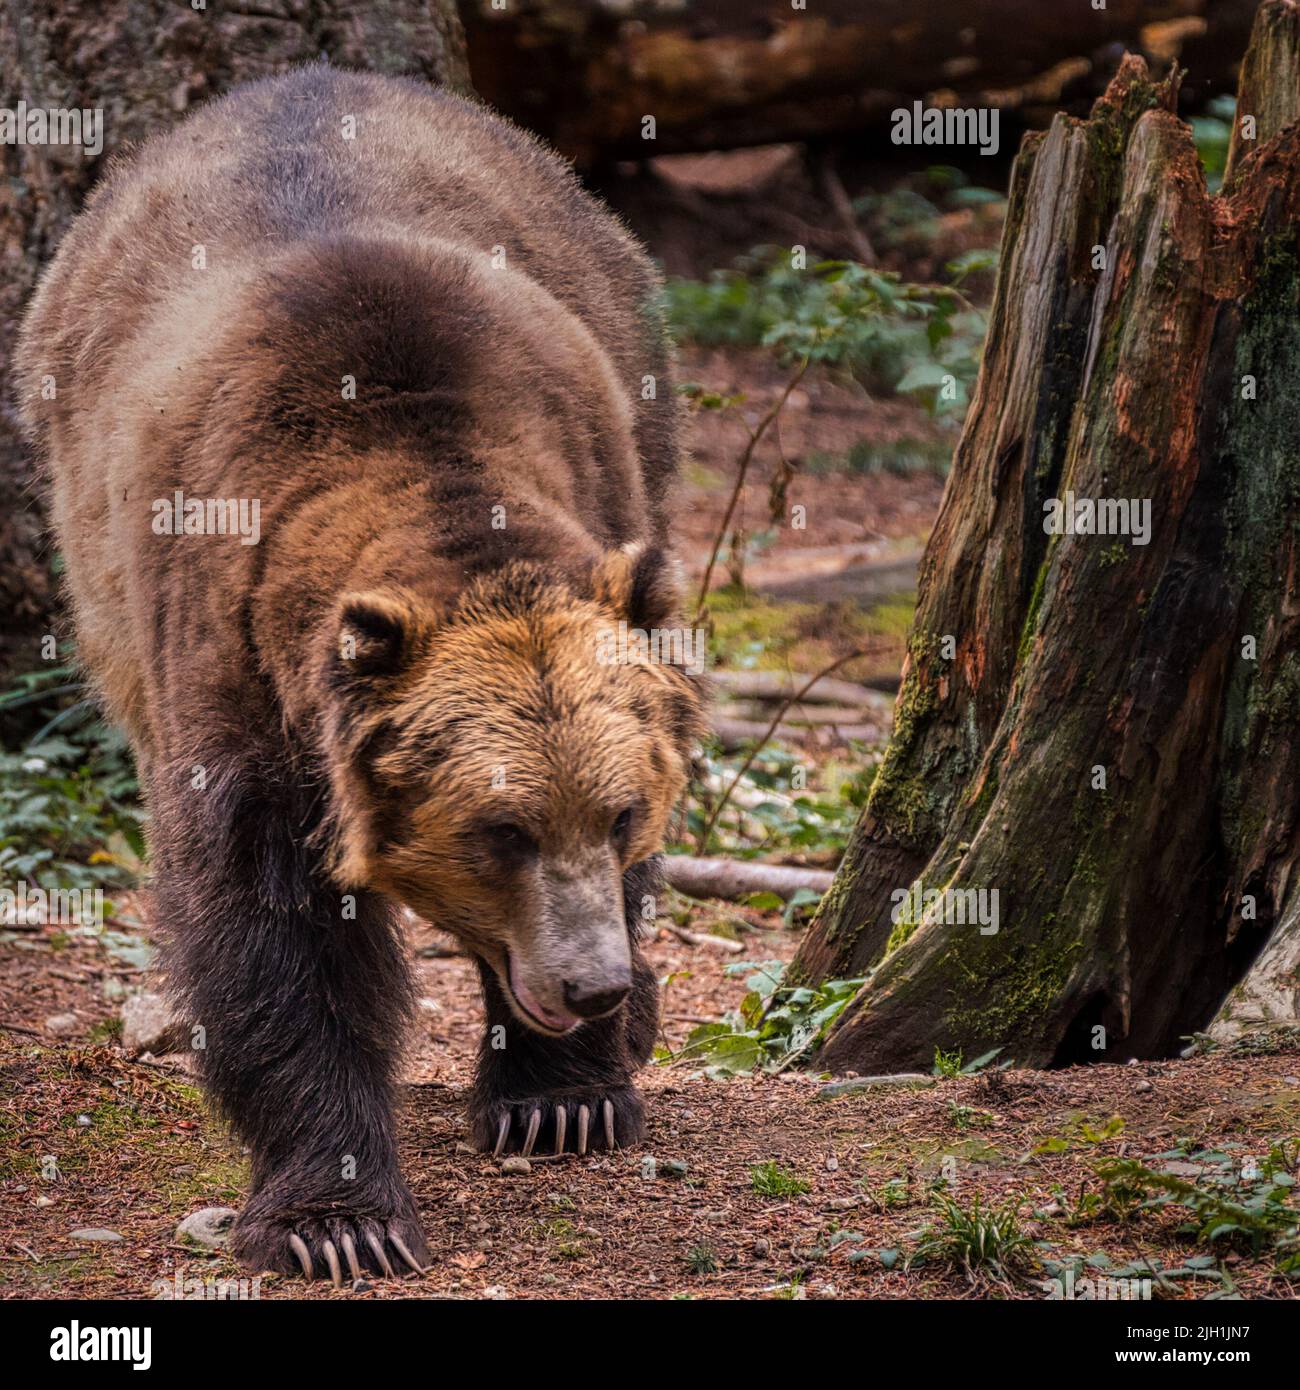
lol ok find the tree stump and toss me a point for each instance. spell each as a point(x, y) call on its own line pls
point(1102, 732)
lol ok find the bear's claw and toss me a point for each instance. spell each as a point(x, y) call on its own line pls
point(330, 1244)
point(561, 1126)
point(568, 1122)
point(330, 1252)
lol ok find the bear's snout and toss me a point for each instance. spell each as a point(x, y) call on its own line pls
point(594, 1001)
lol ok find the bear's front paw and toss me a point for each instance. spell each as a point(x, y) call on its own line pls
point(329, 1243)
point(573, 1121)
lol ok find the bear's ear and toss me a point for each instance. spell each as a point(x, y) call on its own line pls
point(640, 583)
point(378, 634)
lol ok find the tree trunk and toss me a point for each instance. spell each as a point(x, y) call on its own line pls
point(717, 74)
point(144, 62)
point(1101, 733)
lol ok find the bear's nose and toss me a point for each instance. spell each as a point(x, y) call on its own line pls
point(588, 1002)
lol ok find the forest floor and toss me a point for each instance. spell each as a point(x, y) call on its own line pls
point(757, 1186)
point(855, 1180)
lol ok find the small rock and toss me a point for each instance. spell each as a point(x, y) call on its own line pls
point(649, 1168)
point(1051, 1209)
point(62, 1025)
point(762, 1248)
point(841, 1204)
point(149, 1025)
point(360, 1286)
point(84, 1122)
point(1291, 1080)
point(673, 1168)
point(209, 1227)
point(832, 1164)
point(516, 1165)
point(95, 1233)
point(497, 1292)
point(1143, 1086)
point(113, 990)
point(430, 1006)
point(1178, 1169)
point(45, 1201)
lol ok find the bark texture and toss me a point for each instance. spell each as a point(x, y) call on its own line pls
point(144, 62)
point(722, 73)
point(1103, 733)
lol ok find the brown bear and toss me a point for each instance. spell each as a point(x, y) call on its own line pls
point(358, 429)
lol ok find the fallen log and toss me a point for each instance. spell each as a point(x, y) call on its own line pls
point(721, 74)
point(734, 734)
point(738, 878)
point(705, 939)
point(781, 685)
point(865, 585)
point(799, 713)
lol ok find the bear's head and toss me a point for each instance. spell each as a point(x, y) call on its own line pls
point(497, 767)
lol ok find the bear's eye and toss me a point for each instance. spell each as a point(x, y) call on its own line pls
point(622, 826)
point(509, 840)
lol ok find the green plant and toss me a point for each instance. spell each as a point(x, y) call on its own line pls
point(893, 1193)
point(1082, 1132)
point(772, 1179)
point(977, 1239)
point(950, 1064)
point(1212, 133)
point(701, 1259)
point(965, 1118)
point(1225, 1201)
point(889, 334)
point(763, 814)
point(70, 816)
point(775, 1024)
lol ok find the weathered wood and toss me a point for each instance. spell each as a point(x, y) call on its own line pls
point(800, 713)
point(737, 878)
point(1104, 734)
point(1269, 86)
point(1269, 996)
point(734, 734)
point(781, 685)
point(716, 74)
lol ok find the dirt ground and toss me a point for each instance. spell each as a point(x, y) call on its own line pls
point(134, 1151)
point(823, 420)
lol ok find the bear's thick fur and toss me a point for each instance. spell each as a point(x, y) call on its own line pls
point(430, 369)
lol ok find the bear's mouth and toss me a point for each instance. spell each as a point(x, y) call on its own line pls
point(547, 1020)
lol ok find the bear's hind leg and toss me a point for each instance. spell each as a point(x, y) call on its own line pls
point(300, 994)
